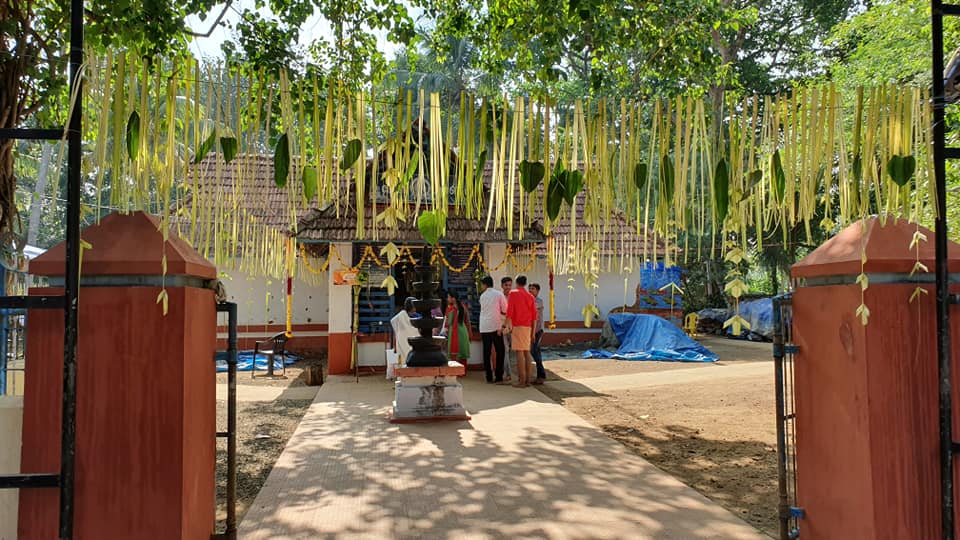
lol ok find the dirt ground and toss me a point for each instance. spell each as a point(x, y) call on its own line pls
point(263, 429)
point(717, 436)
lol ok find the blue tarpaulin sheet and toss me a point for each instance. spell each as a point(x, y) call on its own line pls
point(759, 314)
point(245, 361)
point(648, 337)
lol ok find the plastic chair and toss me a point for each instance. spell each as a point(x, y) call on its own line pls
point(272, 347)
point(690, 324)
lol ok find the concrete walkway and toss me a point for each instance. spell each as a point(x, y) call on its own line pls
point(523, 467)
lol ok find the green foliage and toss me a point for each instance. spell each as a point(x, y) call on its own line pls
point(887, 43)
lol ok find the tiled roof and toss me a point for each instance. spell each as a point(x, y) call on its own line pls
point(324, 225)
point(618, 234)
point(247, 183)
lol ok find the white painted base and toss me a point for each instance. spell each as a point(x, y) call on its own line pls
point(428, 397)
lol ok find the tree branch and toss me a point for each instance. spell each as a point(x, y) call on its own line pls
point(213, 26)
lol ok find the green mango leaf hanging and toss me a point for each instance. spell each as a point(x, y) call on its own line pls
point(411, 170)
point(205, 148)
point(901, 169)
point(778, 179)
point(573, 183)
point(640, 175)
point(281, 161)
point(666, 176)
point(133, 135)
point(429, 225)
point(310, 182)
point(556, 193)
point(531, 174)
point(229, 147)
point(351, 153)
point(721, 190)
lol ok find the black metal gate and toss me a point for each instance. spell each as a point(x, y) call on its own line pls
point(784, 350)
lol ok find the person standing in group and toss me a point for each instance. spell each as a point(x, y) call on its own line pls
point(458, 329)
point(492, 307)
point(535, 351)
point(506, 283)
point(403, 329)
point(521, 316)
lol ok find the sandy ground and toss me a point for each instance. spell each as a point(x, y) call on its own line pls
point(718, 436)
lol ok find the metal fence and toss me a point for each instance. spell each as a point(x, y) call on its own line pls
point(13, 342)
point(784, 351)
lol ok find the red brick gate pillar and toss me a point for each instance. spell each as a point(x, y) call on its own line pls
point(146, 399)
point(866, 396)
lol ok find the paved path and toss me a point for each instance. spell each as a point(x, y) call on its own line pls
point(658, 378)
point(523, 467)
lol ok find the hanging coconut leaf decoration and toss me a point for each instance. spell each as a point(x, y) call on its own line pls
point(531, 174)
point(281, 161)
point(901, 169)
point(351, 153)
point(721, 190)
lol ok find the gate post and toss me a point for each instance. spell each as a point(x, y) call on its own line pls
point(146, 409)
point(866, 395)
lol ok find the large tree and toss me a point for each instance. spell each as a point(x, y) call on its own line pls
point(34, 41)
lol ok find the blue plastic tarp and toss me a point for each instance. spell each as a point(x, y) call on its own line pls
point(759, 314)
point(648, 337)
point(654, 277)
point(245, 361)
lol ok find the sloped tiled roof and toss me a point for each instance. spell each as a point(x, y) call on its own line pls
point(247, 184)
point(324, 225)
point(618, 234)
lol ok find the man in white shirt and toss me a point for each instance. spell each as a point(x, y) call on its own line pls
point(492, 307)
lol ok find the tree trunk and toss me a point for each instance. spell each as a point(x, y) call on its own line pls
point(8, 185)
point(33, 229)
